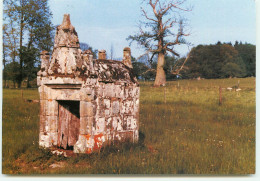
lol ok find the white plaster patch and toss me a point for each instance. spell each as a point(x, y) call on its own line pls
point(107, 103)
point(131, 123)
point(44, 141)
point(80, 145)
point(114, 124)
point(109, 121)
point(100, 125)
point(128, 106)
point(107, 112)
point(115, 107)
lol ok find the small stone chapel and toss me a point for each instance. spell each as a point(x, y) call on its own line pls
point(85, 103)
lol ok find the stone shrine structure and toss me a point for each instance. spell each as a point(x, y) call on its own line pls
point(85, 103)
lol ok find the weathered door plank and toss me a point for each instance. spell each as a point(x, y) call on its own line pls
point(64, 117)
point(69, 122)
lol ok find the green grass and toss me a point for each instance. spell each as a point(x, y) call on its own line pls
point(189, 134)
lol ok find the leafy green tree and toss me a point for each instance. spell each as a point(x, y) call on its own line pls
point(10, 36)
point(170, 66)
point(30, 68)
point(138, 68)
point(230, 57)
point(232, 69)
point(248, 54)
point(215, 61)
point(31, 21)
point(149, 74)
point(11, 72)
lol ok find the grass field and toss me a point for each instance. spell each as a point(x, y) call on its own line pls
point(188, 132)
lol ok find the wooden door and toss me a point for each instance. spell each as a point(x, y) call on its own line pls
point(69, 122)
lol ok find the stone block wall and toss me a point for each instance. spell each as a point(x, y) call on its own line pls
point(109, 112)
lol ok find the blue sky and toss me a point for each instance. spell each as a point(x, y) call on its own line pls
point(102, 23)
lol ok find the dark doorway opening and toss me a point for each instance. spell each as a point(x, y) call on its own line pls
point(68, 124)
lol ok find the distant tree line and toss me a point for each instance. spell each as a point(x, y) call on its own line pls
point(221, 60)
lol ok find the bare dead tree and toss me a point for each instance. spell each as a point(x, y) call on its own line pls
point(162, 30)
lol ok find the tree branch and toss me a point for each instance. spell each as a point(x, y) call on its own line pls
point(180, 34)
point(172, 5)
point(154, 7)
point(178, 70)
point(151, 59)
point(145, 14)
point(170, 25)
point(146, 34)
point(172, 51)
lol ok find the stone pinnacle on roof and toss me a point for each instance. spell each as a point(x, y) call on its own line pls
point(66, 56)
point(127, 57)
point(66, 24)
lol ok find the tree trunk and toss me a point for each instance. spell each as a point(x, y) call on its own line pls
point(20, 79)
point(160, 79)
point(4, 71)
point(28, 73)
point(28, 82)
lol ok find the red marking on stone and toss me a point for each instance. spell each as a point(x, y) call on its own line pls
point(114, 99)
point(89, 150)
point(98, 142)
point(87, 136)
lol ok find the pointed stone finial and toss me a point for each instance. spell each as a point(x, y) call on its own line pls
point(66, 56)
point(127, 57)
point(88, 56)
point(87, 52)
point(45, 60)
point(102, 54)
point(66, 24)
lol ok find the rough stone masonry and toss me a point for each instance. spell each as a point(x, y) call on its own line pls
point(85, 103)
